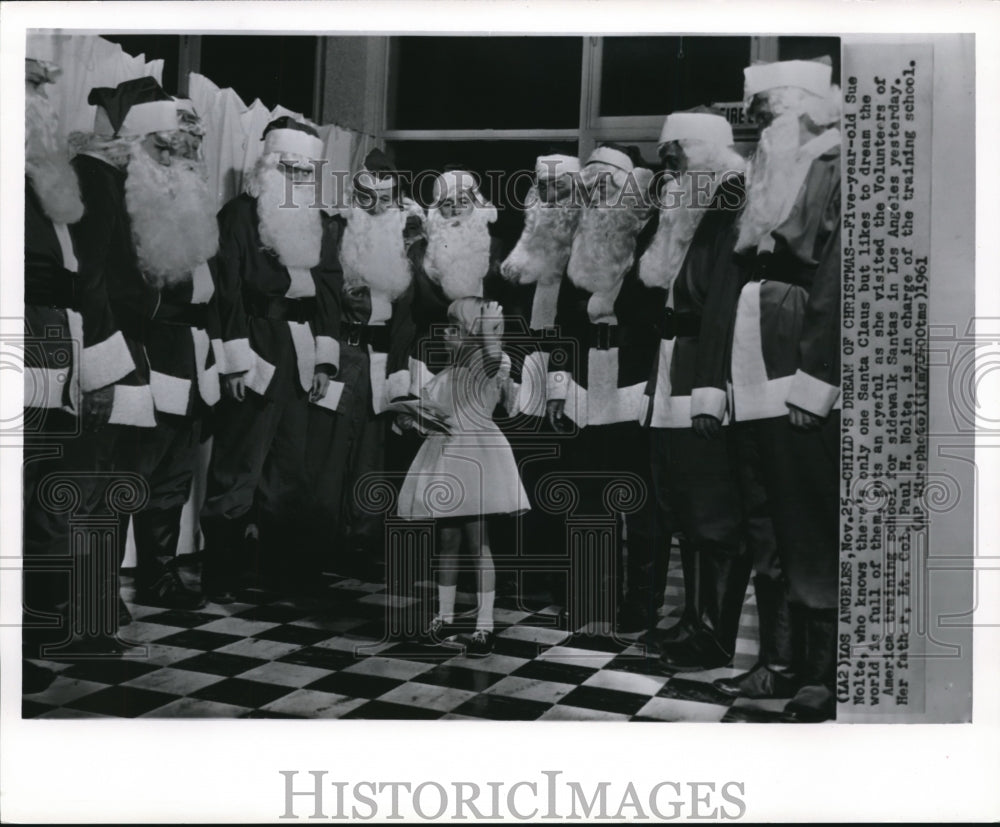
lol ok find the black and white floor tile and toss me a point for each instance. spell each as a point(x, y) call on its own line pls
point(326, 657)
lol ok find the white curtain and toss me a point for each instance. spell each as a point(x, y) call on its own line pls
point(88, 61)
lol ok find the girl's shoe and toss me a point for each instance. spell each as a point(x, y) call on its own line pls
point(480, 644)
point(441, 629)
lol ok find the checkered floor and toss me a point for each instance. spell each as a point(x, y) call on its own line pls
point(268, 657)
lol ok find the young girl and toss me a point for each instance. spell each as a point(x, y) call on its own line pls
point(460, 477)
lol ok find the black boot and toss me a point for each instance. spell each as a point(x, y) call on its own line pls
point(722, 585)
point(772, 675)
point(223, 542)
point(157, 532)
point(815, 701)
point(688, 623)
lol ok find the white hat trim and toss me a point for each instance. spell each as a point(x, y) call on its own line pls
point(701, 126)
point(451, 182)
point(611, 157)
point(141, 119)
point(294, 142)
point(810, 75)
point(554, 166)
point(370, 181)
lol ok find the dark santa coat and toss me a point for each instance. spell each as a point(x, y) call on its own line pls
point(71, 341)
point(786, 341)
point(250, 277)
point(601, 371)
point(690, 371)
point(171, 326)
point(383, 326)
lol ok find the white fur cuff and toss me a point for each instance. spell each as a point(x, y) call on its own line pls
point(237, 357)
point(105, 363)
point(327, 351)
point(812, 394)
point(557, 385)
point(708, 402)
point(133, 405)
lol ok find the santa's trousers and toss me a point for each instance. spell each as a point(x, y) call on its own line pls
point(800, 472)
point(67, 475)
point(166, 457)
point(698, 496)
point(610, 468)
point(346, 450)
point(258, 459)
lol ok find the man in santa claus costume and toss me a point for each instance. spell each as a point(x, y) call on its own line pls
point(452, 265)
point(171, 212)
point(612, 315)
point(535, 269)
point(538, 263)
point(692, 258)
point(160, 209)
point(278, 289)
point(786, 361)
point(74, 355)
point(376, 337)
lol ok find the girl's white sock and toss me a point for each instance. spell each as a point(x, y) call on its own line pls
point(484, 618)
point(446, 602)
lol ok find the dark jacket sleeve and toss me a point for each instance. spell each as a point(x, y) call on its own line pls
point(329, 277)
point(815, 239)
point(106, 357)
point(230, 261)
point(402, 333)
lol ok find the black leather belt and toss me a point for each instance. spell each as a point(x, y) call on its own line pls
point(674, 324)
point(279, 308)
point(358, 334)
point(186, 315)
point(602, 336)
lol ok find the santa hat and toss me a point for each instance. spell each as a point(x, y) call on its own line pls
point(451, 182)
point(700, 124)
point(551, 167)
point(612, 157)
point(287, 136)
point(133, 109)
point(814, 76)
point(378, 173)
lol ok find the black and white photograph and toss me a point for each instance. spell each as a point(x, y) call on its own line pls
point(423, 375)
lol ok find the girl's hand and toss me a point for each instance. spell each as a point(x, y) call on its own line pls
point(490, 320)
point(405, 422)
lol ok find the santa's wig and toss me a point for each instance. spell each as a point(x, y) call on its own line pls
point(373, 250)
point(289, 218)
point(46, 161)
point(542, 251)
point(172, 213)
point(458, 250)
point(683, 202)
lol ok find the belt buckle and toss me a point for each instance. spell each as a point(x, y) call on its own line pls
point(354, 336)
point(603, 336)
point(669, 324)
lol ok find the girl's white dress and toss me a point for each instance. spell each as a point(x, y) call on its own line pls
point(470, 472)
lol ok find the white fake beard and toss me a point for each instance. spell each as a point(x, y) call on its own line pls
point(768, 186)
point(542, 251)
point(294, 234)
point(373, 251)
point(603, 250)
point(173, 217)
point(458, 251)
point(47, 164)
point(679, 220)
